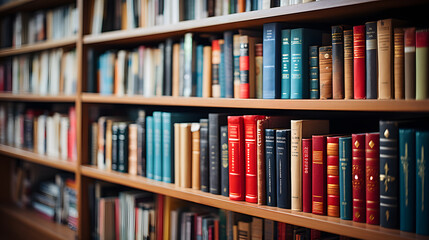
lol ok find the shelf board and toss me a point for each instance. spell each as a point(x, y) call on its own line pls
point(38, 158)
point(28, 48)
point(29, 218)
point(27, 97)
point(308, 12)
point(323, 223)
point(25, 5)
point(284, 104)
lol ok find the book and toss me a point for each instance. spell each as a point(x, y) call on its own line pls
point(175, 70)
point(314, 72)
point(177, 158)
point(224, 176)
point(422, 59)
point(372, 182)
point(318, 186)
point(123, 147)
point(325, 64)
point(271, 61)
point(236, 158)
point(337, 62)
point(195, 131)
point(398, 63)
point(358, 177)
point(410, 62)
point(132, 149)
point(345, 157)
point(422, 216)
point(189, 66)
point(141, 143)
point(149, 148)
point(236, 53)
point(385, 58)
point(229, 63)
point(283, 168)
point(199, 71)
point(286, 63)
point(222, 82)
point(348, 64)
point(247, 66)
point(185, 161)
point(204, 155)
point(157, 146)
point(333, 190)
point(407, 179)
point(215, 68)
point(307, 163)
point(168, 61)
point(359, 61)
point(270, 163)
point(258, 70)
point(215, 121)
point(371, 60)
point(207, 71)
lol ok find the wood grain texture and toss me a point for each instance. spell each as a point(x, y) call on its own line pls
point(67, 42)
point(28, 5)
point(29, 97)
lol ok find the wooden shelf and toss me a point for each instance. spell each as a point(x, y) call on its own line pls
point(25, 5)
point(67, 42)
point(27, 97)
point(38, 158)
point(29, 221)
point(285, 104)
point(323, 223)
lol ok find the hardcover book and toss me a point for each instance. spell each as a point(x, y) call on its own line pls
point(283, 168)
point(337, 62)
point(422, 60)
point(314, 72)
point(372, 160)
point(325, 64)
point(215, 121)
point(422, 193)
point(319, 175)
point(407, 179)
point(398, 63)
point(224, 176)
point(236, 158)
point(348, 64)
point(385, 58)
point(371, 60)
point(307, 165)
point(286, 63)
point(204, 155)
point(345, 157)
point(410, 62)
point(270, 161)
point(358, 177)
point(271, 61)
point(359, 61)
point(333, 190)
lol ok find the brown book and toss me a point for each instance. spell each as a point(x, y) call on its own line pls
point(195, 130)
point(348, 64)
point(385, 59)
point(410, 62)
point(241, 6)
point(244, 231)
point(176, 70)
point(325, 68)
point(143, 13)
point(337, 62)
point(94, 143)
point(207, 71)
point(124, 15)
point(185, 155)
point(132, 149)
point(177, 154)
point(257, 229)
point(399, 63)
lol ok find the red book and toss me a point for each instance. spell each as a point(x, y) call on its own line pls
point(250, 132)
point(359, 61)
point(306, 175)
point(159, 217)
point(236, 157)
point(117, 217)
point(71, 148)
point(315, 234)
point(281, 231)
point(358, 177)
point(333, 176)
point(319, 175)
point(372, 161)
point(216, 229)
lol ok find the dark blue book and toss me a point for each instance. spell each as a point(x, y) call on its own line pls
point(270, 164)
point(337, 62)
point(371, 60)
point(283, 168)
point(389, 174)
point(422, 183)
point(123, 147)
point(115, 130)
point(215, 121)
point(285, 82)
point(204, 155)
point(314, 72)
point(345, 157)
point(271, 62)
point(199, 68)
point(149, 148)
point(407, 179)
point(224, 176)
point(222, 80)
point(228, 63)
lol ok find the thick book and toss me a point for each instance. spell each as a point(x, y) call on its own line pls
point(398, 63)
point(195, 131)
point(236, 158)
point(337, 62)
point(258, 70)
point(122, 147)
point(407, 179)
point(229, 63)
point(410, 62)
point(325, 64)
point(318, 186)
point(314, 72)
point(149, 148)
point(372, 168)
point(332, 163)
point(271, 61)
point(185, 155)
point(348, 64)
point(345, 157)
point(283, 167)
point(224, 170)
point(247, 66)
point(157, 146)
point(307, 166)
point(204, 155)
point(358, 177)
point(286, 63)
point(385, 58)
point(132, 149)
point(359, 61)
point(389, 212)
point(422, 193)
point(270, 163)
point(215, 121)
point(215, 68)
point(371, 60)
point(422, 61)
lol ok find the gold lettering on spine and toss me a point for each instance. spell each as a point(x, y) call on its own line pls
point(404, 161)
point(421, 165)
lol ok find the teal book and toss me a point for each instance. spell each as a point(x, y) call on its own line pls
point(199, 69)
point(301, 40)
point(285, 83)
point(345, 157)
point(407, 180)
point(149, 147)
point(422, 182)
point(157, 148)
point(222, 80)
point(314, 72)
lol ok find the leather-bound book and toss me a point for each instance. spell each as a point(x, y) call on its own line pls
point(359, 61)
point(325, 68)
point(372, 168)
point(358, 177)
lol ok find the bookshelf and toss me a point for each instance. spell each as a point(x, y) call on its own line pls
point(322, 12)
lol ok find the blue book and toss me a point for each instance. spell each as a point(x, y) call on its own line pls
point(222, 80)
point(106, 86)
point(283, 168)
point(270, 161)
point(149, 148)
point(345, 157)
point(301, 39)
point(199, 69)
point(271, 61)
point(157, 148)
point(422, 183)
point(407, 180)
point(285, 82)
point(371, 60)
point(228, 63)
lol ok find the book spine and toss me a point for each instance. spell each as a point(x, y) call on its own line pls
point(167, 148)
point(177, 152)
point(224, 177)
point(28, 131)
point(157, 148)
point(296, 165)
point(204, 155)
point(189, 61)
point(348, 64)
point(236, 53)
point(371, 60)
point(260, 151)
point(122, 147)
point(307, 165)
point(283, 167)
point(215, 68)
point(410, 62)
point(333, 190)
point(325, 63)
point(407, 180)
point(422, 193)
point(314, 72)
point(200, 70)
point(389, 215)
point(385, 59)
point(358, 177)
point(296, 81)
point(270, 157)
point(149, 148)
point(214, 152)
point(132, 149)
point(345, 155)
point(229, 63)
point(319, 175)
point(337, 62)
point(398, 63)
point(168, 59)
point(271, 62)
point(244, 67)
point(185, 155)
point(259, 69)
point(141, 146)
point(372, 162)
point(359, 61)
point(207, 72)
point(236, 158)
point(222, 82)
point(422, 61)
point(286, 64)
point(115, 151)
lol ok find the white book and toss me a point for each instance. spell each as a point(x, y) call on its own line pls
point(174, 215)
point(64, 128)
point(52, 135)
point(150, 21)
point(25, 72)
point(54, 71)
point(266, 4)
point(149, 79)
point(44, 73)
point(198, 7)
point(130, 14)
point(15, 75)
point(225, 10)
point(218, 7)
point(70, 73)
point(167, 12)
point(17, 28)
point(35, 74)
point(175, 11)
point(97, 16)
point(284, 3)
point(41, 131)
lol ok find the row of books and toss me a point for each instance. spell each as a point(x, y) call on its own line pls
point(42, 25)
point(131, 214)
point(47, 73)
point(53, 134)
point(109, 15)
point(285, 63)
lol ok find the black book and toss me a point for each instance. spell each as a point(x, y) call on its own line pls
point(215, 121)
point(141, 143)
point(204, 155)
point(123, 147)
point(283, 168)
point(115, 131)
point(28, 131)
point(117, 24)
point(6, 32)
point(91, 70)
point(168, 54)
point(270, 161)
point(224, 177)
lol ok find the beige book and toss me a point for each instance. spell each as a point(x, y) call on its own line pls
point(244, 231)
point(176, 70)
point(385, 59)
point(108, 144)
point(132, 149)
point(207, 71)
point(185, 155)
point(195, 130)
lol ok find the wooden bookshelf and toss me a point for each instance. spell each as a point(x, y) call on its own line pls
point(67, 42)
point(25, 5)
point(28, 97)
point(38, 158)
point(27, 223)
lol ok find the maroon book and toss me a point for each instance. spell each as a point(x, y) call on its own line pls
point(159, 217)
point(306, 175)
point(359, 61)
point(236, 158)
point(358, 177)
point(333, 177)
point(319, 175)
point(372, 161)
